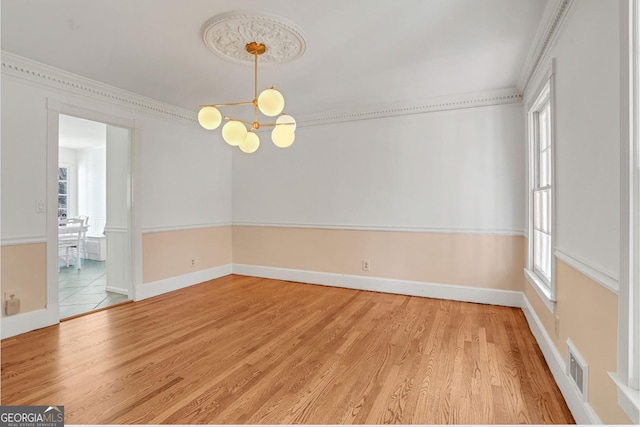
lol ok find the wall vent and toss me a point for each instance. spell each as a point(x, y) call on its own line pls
point(577, 369)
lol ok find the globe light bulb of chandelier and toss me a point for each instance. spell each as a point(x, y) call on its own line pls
point(283, 136)
point(250, 143)
point(287, 120)
point(271, 102)
point(234, 133)
point(209, 117)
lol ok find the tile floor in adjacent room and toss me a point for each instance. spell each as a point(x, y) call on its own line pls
point(84, 290)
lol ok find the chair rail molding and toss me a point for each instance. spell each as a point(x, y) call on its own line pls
point(23, 240)
point(399, 228)
point(598, 275)
point(183, 227)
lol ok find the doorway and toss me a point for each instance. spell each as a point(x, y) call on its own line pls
point(94, 166)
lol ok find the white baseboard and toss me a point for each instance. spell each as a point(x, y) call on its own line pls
point(159, 287)
point(393, 286)
point(122, 291)
point(582, 412)
point(30, 321)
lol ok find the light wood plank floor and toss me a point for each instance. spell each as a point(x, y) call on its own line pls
point(245, 350)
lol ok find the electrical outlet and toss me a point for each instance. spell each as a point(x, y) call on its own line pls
point(365, 265)
point(193, 262)
point(556, 326)
point(11, 303)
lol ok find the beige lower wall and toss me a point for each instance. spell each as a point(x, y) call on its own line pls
point(169, 253)
point(487, 261)
point(587, 311)
point(23, 269)
point(588, 315)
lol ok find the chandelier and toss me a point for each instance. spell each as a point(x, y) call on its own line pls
point(241, 133)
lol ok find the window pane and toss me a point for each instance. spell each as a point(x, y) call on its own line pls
point(547, 110)
point(62, 201)
point(545, 127)
point(62, 174)
point(62, 187)
point(547, 161)
point(543, 254)
point(548, 212)
point(546, 255)
point(544, 211)
point(544, 168)
point(62, 213)
point(537, 259)
point(543, 136)
point(536, 210)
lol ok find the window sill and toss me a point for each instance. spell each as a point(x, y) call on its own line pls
point(541, 290)
point(628, 398)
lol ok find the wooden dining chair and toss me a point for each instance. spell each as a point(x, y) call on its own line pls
point(85, 219)
point(70, 241)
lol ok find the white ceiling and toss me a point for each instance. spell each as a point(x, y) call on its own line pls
point(359, 52)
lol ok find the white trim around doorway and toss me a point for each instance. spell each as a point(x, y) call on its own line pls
point(54, 109)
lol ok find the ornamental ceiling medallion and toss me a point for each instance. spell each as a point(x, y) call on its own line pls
point(227, 34)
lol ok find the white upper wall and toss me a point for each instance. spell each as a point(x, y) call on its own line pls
point(453, 170)
point(588, 134)
point(187, 176)
point(184, 175)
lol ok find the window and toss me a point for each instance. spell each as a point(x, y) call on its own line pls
point(63, 192)
point(542, 194)
point(540, 265)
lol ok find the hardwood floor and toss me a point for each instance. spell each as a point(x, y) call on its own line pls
point(244, 350)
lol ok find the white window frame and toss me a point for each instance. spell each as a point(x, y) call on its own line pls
point(72, 188)
point(627, 376)
point(545, 287)
point(66, 194)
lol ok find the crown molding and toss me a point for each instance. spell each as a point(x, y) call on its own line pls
point(22, 68)
point(552, 20)
point(429, 105)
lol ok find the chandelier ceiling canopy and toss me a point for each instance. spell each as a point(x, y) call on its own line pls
point(243, 37)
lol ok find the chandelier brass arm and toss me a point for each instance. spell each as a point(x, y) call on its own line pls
point(256, 125)
point(270, 102)
point(229, 104)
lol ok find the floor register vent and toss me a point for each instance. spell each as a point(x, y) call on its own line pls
point(577, 369)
